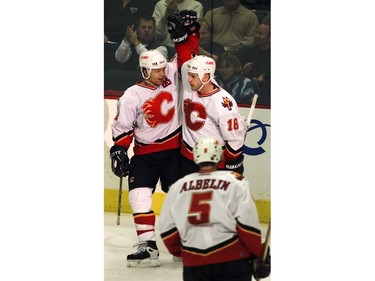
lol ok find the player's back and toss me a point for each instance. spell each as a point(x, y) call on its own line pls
point(210, 201)
point(207, 208)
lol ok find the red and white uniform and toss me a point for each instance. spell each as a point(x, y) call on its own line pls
point(150, 114)
point(214, 114)
point(210, 218)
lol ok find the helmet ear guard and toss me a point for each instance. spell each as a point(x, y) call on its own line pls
point(151, 59)
point(207, 149)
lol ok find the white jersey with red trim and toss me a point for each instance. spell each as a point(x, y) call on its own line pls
point(210, 218)
point(150, 115)
point(214, 114)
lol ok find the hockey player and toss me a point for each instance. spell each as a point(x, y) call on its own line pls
point(148, 113)
point(209, 218)
point(207, 108)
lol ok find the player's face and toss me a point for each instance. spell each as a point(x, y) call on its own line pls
point(157, 76)
point(194, 81)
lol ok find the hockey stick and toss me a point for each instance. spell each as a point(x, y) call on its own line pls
point(266, 245)
point(119, 202)
point(251, 112)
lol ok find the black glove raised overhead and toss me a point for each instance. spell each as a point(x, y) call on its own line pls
point(190, 21)
point(176, 28)
point(120, 161)
point(235, 165)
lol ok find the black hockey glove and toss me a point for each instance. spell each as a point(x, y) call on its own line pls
point(235, 165)
point(262, 269)
point(190, 21)
point(120, 161)
point(176, 28)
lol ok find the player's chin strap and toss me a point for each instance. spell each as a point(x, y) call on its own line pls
point(203, 83)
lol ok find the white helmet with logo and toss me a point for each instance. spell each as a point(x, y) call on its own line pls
point(152, 59)
point(202, 65)
point(207, 149)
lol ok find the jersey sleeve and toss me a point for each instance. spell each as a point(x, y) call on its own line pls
point(167, 227)
point(122, 127)
point(185, 50)
point(232, 125)
point(246, 215)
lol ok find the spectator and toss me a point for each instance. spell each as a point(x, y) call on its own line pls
point(147, 112)
point(233, 25)
point(210, 219)
point(256, 61)
point(206, 46)
point(118, 14)
point(164, 8)
point(138, 41)
point(230, 78)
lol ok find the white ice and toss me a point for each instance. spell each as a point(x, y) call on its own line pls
point(118, 243)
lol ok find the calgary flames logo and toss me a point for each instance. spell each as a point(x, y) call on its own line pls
point(153, 112)
point(227, 103)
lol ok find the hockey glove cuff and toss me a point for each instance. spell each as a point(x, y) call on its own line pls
point(235, 165)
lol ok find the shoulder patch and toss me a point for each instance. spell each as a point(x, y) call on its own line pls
point(227, 103)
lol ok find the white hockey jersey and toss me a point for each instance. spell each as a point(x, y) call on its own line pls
point(150, 115)
point(209, 218)
point(215, 114)
point(212, 115)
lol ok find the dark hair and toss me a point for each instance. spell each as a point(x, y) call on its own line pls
point(231, 59)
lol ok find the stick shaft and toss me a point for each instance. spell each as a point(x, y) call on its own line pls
point(119, 202)
point(266, 243)
point(251, 111)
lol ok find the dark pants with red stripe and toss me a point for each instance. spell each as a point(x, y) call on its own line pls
point(239, 270)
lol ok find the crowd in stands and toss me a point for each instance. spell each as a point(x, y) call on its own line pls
point(235, 33)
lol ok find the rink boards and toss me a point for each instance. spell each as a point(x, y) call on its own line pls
point(257, 163)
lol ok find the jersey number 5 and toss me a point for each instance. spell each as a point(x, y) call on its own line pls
point(199, 211)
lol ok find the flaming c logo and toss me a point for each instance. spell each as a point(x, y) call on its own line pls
point(152, 109)
point(200, 111)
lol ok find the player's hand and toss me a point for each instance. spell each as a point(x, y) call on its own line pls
point(120, 161)
point(176, 28)
point(190, 21)
point(262, 269)
point(235, 165)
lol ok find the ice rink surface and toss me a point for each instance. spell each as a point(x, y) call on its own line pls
point(118, 243)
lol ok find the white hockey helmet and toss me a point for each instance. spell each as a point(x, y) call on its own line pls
point(202, 65)
point(207, 149)
point(151, 59)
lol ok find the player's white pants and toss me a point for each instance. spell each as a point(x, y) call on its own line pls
point(144, 218)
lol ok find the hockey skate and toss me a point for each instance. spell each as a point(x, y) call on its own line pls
point(146, 251)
